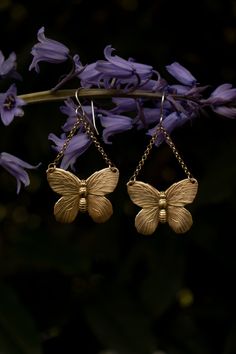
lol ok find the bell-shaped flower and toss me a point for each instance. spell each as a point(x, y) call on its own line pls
point(222, 101)
point(8, 67)
point(10, 105)
point(48, 50)
point(126, 72)
point(77, 146)
point(171, 122)
point(114, 124)
point(16, 167)
point(181, 74)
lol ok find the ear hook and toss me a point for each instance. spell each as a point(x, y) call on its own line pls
point(161, 108)
point(93, 117)
point(80, 107)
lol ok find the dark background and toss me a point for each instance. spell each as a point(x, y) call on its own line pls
point(88, 288)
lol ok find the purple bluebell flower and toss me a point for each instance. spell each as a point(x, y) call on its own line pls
point(222, 101)
point(78, 65)
point(8, 67)
point(126, 72)
point(146, 117)
point(16, 167)
point(114, 124)
point(171, 122)
point(123, 105)
point(10, 105)
point(90, 76)
point(70, 110)
point(48, 50)
point(181, 74)
point(77, 146)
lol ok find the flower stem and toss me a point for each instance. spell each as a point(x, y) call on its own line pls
point(51, 95)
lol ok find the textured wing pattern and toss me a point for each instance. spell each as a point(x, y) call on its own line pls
point(66, 208)
point(179, 219)
point(182, 192)
point(143, 194)
point(103, 182)
point(99, 208)
point(63, 182)
point(146, 221)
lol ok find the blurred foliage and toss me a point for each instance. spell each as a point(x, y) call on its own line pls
point(87, 288)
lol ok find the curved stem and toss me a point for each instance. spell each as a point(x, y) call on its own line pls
point(51, 95)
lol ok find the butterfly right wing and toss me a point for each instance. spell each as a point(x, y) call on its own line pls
point(66, 184)
point(182, 192)
point(177, 195)
point(146, 197)
point(99, 184)
point(179, 219)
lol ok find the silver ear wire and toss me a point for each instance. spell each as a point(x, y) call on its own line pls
point(93, 118)
point(161, 108)
point(80, 108)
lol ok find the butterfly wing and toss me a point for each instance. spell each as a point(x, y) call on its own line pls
point(179, 219)
point(66, 184)
point(147, 197)
point(103, 182)
point(177, 195)
point(182, 192)
point(146, 221)
point(99, 184)
point(99, 208)
point(143, 194)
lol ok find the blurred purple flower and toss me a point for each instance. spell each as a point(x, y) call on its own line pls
point(123, 105)
point(77, 146)
point(10, 105)
point(171, 122)
point(222, 101)
point(70, 110)
point(15, 167)
point(8, 67)
point(181, 74)
point(114, 124)
point(147, 117)
point(48, 50)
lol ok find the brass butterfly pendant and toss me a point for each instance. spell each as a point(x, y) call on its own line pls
point(83, 195)
point(163, 207)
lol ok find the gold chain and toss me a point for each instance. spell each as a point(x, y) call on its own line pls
point(160, 129)
point(81, 119)
point(144, 156)
point(176, 153)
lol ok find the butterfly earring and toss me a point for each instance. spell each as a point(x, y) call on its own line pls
point(82, 195)
point(162, 206)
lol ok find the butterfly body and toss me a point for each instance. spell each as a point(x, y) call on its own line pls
point(83, 192)
point(79, 195)
point(167, 206)
point(162, 204)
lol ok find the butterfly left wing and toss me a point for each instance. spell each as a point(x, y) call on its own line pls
point(64, 183)
point(146, 221)
point(147, 197)
point(99, 184)
point(177, 195)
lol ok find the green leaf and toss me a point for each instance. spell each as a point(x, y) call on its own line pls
point(17, 330)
